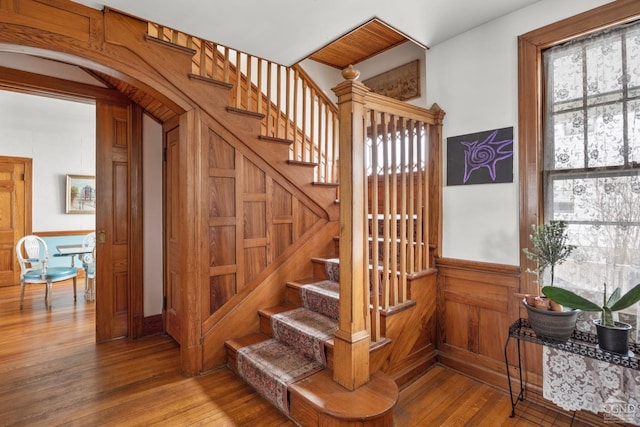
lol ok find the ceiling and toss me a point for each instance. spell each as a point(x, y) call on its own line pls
point(333, 32)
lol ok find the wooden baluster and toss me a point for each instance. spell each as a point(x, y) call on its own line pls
point(312, 126)
point(268, 107)
point(214, 60)
point(278, 114)
point(325, 177)
point(334, 164)
point(296, 143)
point(304, 122)
point(249, 83)
point(203, 58)
point(374, 277)
point(403, 140)
point(393, 297)
point(386, 253)
point(225, 76)
point(411, 128)
point(421, 245)
point(238, 80)
point(259, 84)
point(288, 104)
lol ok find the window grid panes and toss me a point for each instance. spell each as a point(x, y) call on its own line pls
point(591, 155)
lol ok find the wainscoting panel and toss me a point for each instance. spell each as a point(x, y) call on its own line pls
point(476, 304)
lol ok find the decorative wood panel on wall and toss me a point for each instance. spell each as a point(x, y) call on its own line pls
point(245, 205)
point(476, 304)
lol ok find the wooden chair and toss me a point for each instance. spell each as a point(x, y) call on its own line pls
point(32, 256)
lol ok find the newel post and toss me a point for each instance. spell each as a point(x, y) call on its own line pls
point(351, 343)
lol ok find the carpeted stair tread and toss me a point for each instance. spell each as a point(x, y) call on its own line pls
point(265, 315)
point(322, 297)
point(236, 343)
point(304, 330)
point(270, 366)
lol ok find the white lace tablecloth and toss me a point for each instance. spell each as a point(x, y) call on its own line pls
point(575, 382)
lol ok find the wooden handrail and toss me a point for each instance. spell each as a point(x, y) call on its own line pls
point(294, 107)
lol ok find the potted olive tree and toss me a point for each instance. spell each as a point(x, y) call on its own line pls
point(612, 335)
point(550, 248)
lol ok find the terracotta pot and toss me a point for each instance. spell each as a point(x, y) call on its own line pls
point(530, 299)
point(554, 306)
point(542, 303)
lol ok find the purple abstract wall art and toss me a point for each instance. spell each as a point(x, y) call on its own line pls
point(480, 158)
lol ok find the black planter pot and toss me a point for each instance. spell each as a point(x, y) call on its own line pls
point(552, 324)
point(613, 339)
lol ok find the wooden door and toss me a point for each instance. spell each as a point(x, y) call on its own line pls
point(118, 221)
point(172, 234)
point(15, 213)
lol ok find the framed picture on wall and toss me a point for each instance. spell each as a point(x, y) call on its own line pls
point(401, 83)
point(81, 194)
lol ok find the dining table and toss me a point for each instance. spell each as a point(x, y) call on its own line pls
point(78, 250)
point(72, 251)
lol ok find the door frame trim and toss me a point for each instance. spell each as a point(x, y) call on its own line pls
point(30, 83)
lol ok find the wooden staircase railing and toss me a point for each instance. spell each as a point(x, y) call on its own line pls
point(293, 106)
point(395, 184)
point(392, 182)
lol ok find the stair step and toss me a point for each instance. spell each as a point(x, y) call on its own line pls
point(300, 328)
point(371, 404)
point(326, 268)
point(295, 290)
point(266, 313)
point(233, 345)
point(271, 366)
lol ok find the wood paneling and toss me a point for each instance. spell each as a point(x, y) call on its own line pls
point(172, 238)
point(247, 206)
point(476, 306)
point(362, 43)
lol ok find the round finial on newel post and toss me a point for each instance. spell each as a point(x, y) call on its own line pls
point(350, 73)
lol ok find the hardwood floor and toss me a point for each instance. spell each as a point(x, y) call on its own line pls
point(52, 373)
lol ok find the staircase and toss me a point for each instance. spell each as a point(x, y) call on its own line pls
point(290, 360)
point(252, 211)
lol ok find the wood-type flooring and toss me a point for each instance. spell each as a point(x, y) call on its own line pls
point(52, 373)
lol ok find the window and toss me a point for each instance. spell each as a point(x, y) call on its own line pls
point(591, 152)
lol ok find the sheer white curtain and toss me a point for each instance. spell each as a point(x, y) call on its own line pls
point(592, 159)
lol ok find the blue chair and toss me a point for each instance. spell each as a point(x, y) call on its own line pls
point(32, 256)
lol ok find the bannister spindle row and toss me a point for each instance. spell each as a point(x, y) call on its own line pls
point(293, 107)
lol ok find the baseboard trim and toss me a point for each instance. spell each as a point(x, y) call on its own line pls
point(153, 325)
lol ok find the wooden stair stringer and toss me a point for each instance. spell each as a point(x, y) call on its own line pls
point(238, 316)
point(146, 56)
point(243, 129)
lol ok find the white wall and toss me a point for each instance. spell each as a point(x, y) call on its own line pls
point(60, 138)
point(473, 77)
